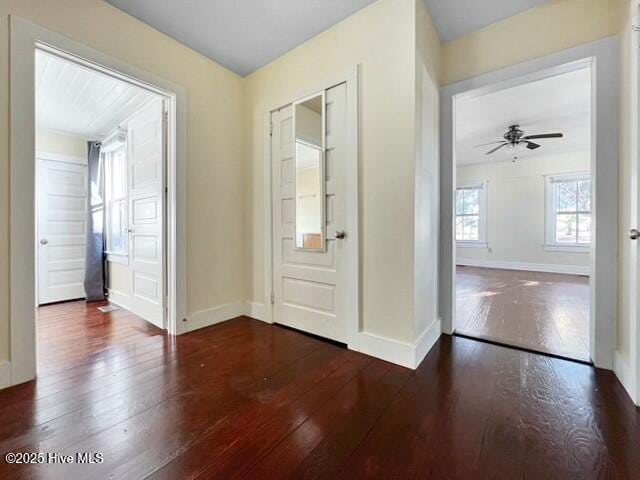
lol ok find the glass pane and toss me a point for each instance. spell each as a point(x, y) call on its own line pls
point(470, 228)
point(566, 225)
point(584, 228)
point(584, 195)
point(459, 233)
point(566, 196)
point(117, 228)
point(459, 197)
point(118, 174)
point(471, 201)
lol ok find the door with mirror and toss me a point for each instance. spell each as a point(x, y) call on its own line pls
point(308, 173)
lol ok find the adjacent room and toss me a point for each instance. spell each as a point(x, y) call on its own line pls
point(523, 213)
point(99, 203)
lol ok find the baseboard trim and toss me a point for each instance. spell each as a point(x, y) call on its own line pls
point(401, 353)
point(256, 310)
point(529, 267)
point(622, 370)
point(427, 340)
point(5, 374)
point(212, 316)
point(118, 298)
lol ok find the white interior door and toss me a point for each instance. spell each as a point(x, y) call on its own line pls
point(61, 230)
point(309, 286)
point(146, 140)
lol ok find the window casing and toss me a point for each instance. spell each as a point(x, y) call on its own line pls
point(116, 200)
point(471, 215)
point(568, 222)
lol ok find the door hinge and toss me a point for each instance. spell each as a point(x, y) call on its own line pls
point(273, 298)
point(271, 128)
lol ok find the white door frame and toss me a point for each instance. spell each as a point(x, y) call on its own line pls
point(605, 70)
point(352, 285)
point(630, 372)
point(25, 38)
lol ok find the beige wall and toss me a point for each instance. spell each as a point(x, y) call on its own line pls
point(554, 26)
point(381, 39)
point(516, 209)
point(215, 140)
point(51, 142)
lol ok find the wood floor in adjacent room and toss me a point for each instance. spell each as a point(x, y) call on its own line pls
point(546, 312)
point(244, 399)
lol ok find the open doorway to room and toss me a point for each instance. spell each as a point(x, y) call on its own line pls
point(523, 213)
point(101, 214)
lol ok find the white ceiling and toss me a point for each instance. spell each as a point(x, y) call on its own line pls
point(77, 101)
point(242, 35)
point(557, 104)
point(455, 18)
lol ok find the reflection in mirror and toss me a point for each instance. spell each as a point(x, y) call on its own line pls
point(309, 160)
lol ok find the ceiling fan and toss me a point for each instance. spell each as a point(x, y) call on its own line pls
point(514, 137)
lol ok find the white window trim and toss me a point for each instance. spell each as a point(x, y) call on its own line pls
point(550, 244)
point(115, 140)
point(482, 221)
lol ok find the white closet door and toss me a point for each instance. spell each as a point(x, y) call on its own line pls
point(62, 212)
point(146, 142)
point(309, 286)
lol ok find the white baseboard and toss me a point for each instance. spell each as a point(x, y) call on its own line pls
point(427, 340)
point(212, 316)
point(623, 371)
point(256, 310)
point(118, 298)
point(5, 374)
point(529, 267)
point(401, 353)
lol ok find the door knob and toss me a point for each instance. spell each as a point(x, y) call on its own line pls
point(44, 241)
point(634, 234)
point(340, 234)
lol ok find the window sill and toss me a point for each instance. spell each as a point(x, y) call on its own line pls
point(120, 258)
point(567, 248)
point(472, 244)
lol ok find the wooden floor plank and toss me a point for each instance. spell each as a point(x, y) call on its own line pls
point(244, 399)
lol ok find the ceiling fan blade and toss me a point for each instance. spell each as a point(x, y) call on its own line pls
point(532, 146)
point(496, 149)
point(490, 143)
point(543, 135)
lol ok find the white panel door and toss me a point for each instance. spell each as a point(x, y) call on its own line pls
point(145, 132)
point(309, 286)
point(61, 230)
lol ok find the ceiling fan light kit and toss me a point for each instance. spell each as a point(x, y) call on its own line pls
point(515, 137)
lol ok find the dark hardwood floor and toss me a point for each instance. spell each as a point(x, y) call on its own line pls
point(244, 399)
point(544, 312)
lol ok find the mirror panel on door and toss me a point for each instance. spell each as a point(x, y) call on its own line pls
point(309, 127)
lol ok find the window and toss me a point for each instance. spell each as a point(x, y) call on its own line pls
point(470, 215)
point(569, 212)
point(116, 199)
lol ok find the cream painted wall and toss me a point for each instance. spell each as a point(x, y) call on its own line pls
point(52, 142)
point(215, 140)
point(516, 208)
point(119, 279)
point(554, 26)
point(381, 40)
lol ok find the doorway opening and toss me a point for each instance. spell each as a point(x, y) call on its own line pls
point(101, 184)
point(522, 212)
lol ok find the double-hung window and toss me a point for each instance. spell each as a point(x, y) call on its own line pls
point(116, 201)
point(568, 212)
point(471, 215)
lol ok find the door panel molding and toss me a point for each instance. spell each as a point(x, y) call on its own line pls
point(351, 247)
